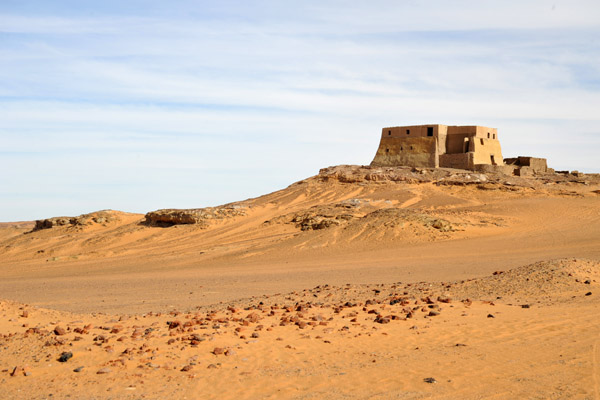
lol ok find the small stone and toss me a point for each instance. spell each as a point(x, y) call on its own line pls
point(588, 294)
point(58, 331)
point(491, 316)
point(255, 335)
point(65, 356)
point(524, 305)
point(78, 369)
point(433, 313)
point(230, 352)
point(430, 380)
point(186, 368)
point(104, 371)
point(218, 350)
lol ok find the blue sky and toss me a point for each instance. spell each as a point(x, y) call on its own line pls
point(141, 105)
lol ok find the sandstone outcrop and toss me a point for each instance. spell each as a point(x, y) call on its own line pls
point(196, 216)
point(359, 212)
point(98, 217)
point(446, 176)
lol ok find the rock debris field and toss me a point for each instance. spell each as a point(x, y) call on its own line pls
point(291, 339)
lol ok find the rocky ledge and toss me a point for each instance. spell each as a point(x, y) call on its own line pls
point(98, 217)
point(362, 174)
point(195, 216)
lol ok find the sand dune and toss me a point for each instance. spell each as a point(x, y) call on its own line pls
point(313, 272)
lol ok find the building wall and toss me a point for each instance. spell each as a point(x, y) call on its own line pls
point(414, 152)
point(502, 169)
point(412, 131)
point(487, 133)
point(537, 164)
point(411, 146)
point(455, 143)
point(484, 149)
point(458, 161)
point(476, 131)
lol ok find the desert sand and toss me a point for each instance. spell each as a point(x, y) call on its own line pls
point(355, 283)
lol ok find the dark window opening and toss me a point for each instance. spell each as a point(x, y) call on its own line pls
point(387, 150)
point(488, 135)
point(494, 136)
point(401, 148)
point(481, 141)
point(411, 147)
point(467, 145)
point(493, 161)
point(408, 131)
point(430, 131)
point(389, 133)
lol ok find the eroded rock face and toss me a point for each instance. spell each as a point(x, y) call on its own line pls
point(98, 217)
point(355, 211)
point(196, 216)
point(322, 216)
point(447, 176)
point(392, 217)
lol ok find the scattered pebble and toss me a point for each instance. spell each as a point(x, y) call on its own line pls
point(59, 331)
point(65, 356)
point(104, 371)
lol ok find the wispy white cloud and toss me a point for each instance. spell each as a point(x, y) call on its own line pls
point(236, 90)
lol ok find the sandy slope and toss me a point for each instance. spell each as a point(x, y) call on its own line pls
point(531, 332)
point(463, 245)
point(113, 266)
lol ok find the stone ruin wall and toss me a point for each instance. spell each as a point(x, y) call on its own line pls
point(527, 166)
point(461, 147)
point(415, 151)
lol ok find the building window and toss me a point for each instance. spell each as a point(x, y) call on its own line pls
point(401, 148)
point(389, 133)
point(408, 131)
point(488, 135)
point(387, 150)
point(411, 147)
point(430, 131)
point(481, 141)
point(494, 136)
